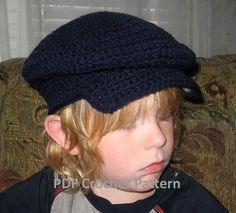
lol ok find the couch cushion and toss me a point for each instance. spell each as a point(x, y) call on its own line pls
point(21, 114)
point(208, 147)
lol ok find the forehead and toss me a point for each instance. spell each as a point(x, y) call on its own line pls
point(160, 103)
point(149, 106)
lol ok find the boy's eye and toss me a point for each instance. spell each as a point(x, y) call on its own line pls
point(165, 118)
point(129, 126)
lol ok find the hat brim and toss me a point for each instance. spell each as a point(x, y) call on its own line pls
point(107, 91)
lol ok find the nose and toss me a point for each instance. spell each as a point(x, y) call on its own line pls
point(156, 136)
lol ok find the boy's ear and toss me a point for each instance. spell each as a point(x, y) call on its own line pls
point(52, 125)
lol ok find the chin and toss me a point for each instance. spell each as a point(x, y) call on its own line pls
point(147, 182)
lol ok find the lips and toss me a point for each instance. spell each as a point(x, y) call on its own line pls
point(154, 167)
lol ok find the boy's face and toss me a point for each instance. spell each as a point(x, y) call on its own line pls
point(135, 156)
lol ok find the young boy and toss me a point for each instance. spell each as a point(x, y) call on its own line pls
point(113, 84)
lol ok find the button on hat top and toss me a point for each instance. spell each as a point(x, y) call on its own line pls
point(108, 59)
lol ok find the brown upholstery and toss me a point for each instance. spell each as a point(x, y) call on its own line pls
point(207, 151)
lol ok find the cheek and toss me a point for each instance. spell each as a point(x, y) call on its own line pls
point(116, 157)
point(172, 137)
point(113, 157)
point(168, 130)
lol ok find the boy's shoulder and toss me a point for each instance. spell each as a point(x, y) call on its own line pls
point(188, 196)
point(35, 194)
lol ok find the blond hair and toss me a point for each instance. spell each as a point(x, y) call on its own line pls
point(84, 126)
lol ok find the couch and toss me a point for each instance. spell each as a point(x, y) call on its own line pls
point(208, 146)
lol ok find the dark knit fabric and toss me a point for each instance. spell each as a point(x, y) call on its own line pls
point(109, 59)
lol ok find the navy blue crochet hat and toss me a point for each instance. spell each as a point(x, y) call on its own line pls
point(109, 59)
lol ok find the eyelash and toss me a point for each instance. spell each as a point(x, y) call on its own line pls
point(133, 125)
point(129, 127)
point(167, 118)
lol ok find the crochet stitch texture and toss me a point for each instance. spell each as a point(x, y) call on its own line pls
point(109, 59)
